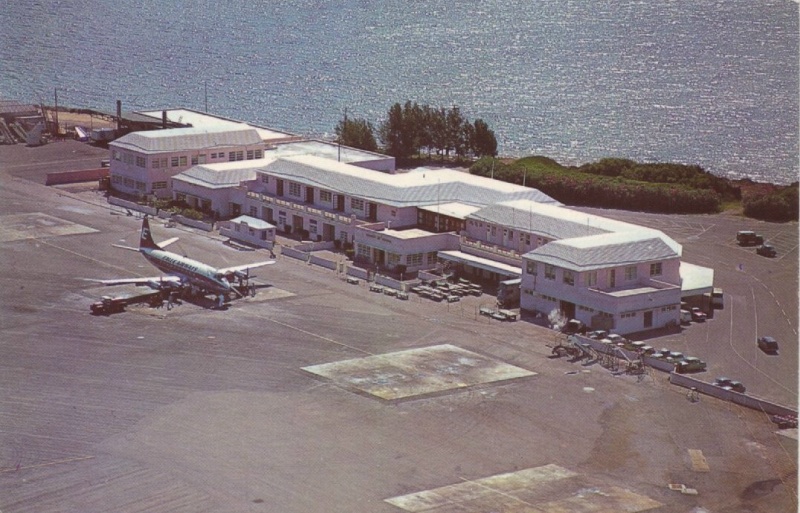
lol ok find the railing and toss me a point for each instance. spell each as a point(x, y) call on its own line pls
point(491, 248)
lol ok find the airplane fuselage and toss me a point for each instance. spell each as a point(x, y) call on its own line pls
point(195, 273)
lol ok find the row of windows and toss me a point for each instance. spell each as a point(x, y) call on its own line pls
point(180, 161)
point(568, 276)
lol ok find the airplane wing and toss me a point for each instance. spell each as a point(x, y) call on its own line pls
point(152, 282)
point(246, 267)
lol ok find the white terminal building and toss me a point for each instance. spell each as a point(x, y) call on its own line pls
point(608, 274)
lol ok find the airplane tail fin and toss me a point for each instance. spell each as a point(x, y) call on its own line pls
point(146, 239)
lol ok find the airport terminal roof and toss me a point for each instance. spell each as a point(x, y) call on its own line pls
point(329, 150)
point(221, 175)
point(607, 250)
point(205, 120)
point(420, 187)
point(547, 220)
point(191, 138)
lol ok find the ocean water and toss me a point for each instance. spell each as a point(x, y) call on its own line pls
point(713, 83)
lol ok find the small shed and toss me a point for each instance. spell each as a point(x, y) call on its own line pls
point(249, 230)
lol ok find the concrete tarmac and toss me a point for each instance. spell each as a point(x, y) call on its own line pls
point(195, 409)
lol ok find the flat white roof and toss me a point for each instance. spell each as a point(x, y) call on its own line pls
point(205, 120)
point(329, 150)
point(695, 279)
point(252, 222)
point(482, 263)
point(452, 209)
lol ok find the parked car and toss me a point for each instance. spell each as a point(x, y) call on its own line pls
point(617, 339)
point(729, 384)
point(686, 316)
point(597, 334)
point(698, 315)
point(766, 250)
point(768, 345)
point(749, 238)
point(690, 364)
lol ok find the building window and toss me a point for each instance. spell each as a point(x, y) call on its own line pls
point(201, 159)
point(264, 178)
point(432, 257)
point(591, 278)
point(325, 196)
point(392, 259)
point(363, 251)
point(115, 155)
point(194, 160)
point(630, 272)
point(232, 156)
point(527, 239)
point(532, 268)
point(414, 259)
point(159, 185)
point(174, 162)
point(312, 226)
point(357, 204)
point(259, 154)
point(253, 211)
point(294, 189)
point(141, 161)
point(568, 277)
point(655, 269)
point(549, 272)
point(249, 154)
point(183, 161)
point(155, 163)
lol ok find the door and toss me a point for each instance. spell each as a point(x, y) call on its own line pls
point(648, 319)
point(612, 278)
point(568, 309)
point(339, 203)
point(279, 187)
point(309, 195)
point(373, 212)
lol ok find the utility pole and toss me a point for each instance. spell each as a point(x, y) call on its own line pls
point(56, 112)
point(341, 136)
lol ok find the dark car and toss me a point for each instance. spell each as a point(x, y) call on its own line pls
point(730, 384)
point(768, 345)
point(574, 326)
point(766, 250)
point(749, 238)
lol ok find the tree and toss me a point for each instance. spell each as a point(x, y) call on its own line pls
point(357, 133)
point(483, 143)
point(393, 133)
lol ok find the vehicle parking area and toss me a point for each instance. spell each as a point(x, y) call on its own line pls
point(319, 395)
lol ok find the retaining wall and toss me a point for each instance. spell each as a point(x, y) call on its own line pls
point(749, 401)
point(84, 175)
point(132, 205)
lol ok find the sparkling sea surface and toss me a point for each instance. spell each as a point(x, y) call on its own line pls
point(713, 83)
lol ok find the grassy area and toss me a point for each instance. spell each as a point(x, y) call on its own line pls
point(628, 185)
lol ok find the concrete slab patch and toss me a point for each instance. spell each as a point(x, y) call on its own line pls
point(699, 463)
point(416, 372)
point(37, 225)
point(545, 489)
